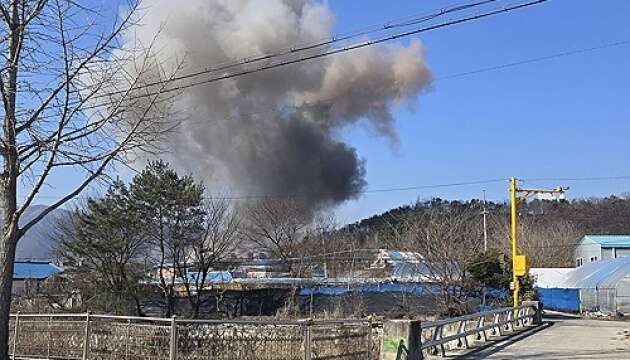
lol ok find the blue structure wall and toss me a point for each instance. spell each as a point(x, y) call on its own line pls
point(560, 299)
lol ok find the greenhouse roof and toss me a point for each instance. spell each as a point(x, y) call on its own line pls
point(598, 274)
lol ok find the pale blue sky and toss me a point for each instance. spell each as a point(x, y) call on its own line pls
point(567, 117)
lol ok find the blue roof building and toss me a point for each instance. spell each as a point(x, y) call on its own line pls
point(601, 247)
point(34, 269)
point(28, 274)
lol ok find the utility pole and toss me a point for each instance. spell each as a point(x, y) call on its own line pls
point(519, 262)
point(485, 224)
point(485, 241)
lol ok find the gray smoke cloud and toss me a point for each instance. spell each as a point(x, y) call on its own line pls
point(276, 132)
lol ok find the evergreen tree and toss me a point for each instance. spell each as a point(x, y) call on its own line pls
point(171, 209)
point(105, 246)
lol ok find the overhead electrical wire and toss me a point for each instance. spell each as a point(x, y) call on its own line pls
point(460, 74)
point(297, 48)
point(536, 59)
point(403, 188)
point(408, 21)
point(329, 52)
point(367, 191)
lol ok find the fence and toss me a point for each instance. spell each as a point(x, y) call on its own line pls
point(99, 337)
point(433, 337)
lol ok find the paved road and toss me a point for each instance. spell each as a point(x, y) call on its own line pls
point(564, 338)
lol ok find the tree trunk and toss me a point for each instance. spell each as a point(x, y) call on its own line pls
point(7, 257)
point(8, 185)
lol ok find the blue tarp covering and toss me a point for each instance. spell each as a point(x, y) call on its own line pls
point(374, 288)
point(35, 269)
point(560, 299)
point(415, 289)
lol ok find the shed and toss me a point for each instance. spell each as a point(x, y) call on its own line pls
point(593, 248)
point(28, 274)
point(402, 266)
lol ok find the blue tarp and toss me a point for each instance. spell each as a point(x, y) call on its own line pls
point(374, 288)
point(415, 289)
point(560, 299)
point(30, 269)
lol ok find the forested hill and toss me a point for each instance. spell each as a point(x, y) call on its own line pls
point(610, 215)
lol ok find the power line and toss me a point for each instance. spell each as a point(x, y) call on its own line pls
point(367, 191)
point(397, 189)
point(537, 59)
point(298, 48)
point(373, 191)
point(291, 50)
point(466, 73)
point(330, 52)
point(594, 178)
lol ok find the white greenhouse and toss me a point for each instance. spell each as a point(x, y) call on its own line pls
point(603, 285)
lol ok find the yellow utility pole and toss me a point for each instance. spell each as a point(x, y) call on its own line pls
point(519, 262)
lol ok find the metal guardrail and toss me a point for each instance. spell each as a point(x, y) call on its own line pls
point(478, 324)
point(87, 336)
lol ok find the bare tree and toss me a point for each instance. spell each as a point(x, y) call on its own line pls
point(448, 241)
point(218, 241)
point(547, 242)
point(72, 98)
point(278, 226)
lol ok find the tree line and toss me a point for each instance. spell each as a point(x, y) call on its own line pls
point(163, 231)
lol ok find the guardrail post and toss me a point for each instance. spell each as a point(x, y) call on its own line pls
point(415, 341)
point(510, 325)
point(536, 306)
point(16, 333)
point(438, 333)
point(462, 329)
point(402, 339)
point(482, 334)
point(306, 330)
point(497, 328)
point(173, 341)
point(86, 337)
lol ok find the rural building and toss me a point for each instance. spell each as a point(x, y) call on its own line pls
point(601, 247)
point(401, 266)
point(29, 274)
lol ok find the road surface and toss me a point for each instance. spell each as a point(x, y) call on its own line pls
point(563, 337)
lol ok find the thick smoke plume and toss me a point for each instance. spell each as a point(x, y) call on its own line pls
point(275, 132)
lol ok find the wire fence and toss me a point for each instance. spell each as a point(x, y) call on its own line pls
point(99, 337)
